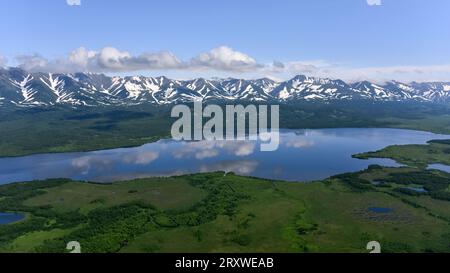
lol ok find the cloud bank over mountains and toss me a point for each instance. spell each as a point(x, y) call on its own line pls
point(223, 60)
point(111, 59)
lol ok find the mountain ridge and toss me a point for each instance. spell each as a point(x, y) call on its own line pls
point(22, 89)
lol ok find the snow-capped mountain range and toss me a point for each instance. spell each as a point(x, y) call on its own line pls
point(22, 89)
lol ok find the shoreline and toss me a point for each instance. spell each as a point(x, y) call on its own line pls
point(167, 137)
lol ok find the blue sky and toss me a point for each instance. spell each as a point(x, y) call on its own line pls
point(350, 39)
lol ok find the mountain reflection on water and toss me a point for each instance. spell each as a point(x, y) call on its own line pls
point(303, 155)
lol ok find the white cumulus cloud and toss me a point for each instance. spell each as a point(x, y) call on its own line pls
point(81, 56)
point(225, 58)
point(73, 2)
point(3, 61)
point(374, 2)
point(33, 63)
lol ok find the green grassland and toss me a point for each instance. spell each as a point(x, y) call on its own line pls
point(50, 130)
point(218, 212)
point(420, 156)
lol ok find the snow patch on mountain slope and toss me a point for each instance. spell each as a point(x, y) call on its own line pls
point(26, 91)
point(97, 89)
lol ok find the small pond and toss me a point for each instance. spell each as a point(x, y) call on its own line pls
point(9, 218)
point(380, 210)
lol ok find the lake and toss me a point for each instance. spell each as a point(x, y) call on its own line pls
point(380, 210)
point(9, 218)
point(419, 190)
point(441, 167)
point(303, 155)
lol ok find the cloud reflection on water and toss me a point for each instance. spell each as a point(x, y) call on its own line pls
point(243, 167)
point(304, 155)
point(208, 149)
point(84, 164)
point(298, 143)
point(141, 158)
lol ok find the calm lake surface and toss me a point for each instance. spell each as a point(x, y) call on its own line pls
point(9, 218)
point(440, 167)
point(303, 155)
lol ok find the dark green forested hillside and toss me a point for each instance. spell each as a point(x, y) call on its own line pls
point(42, 130)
